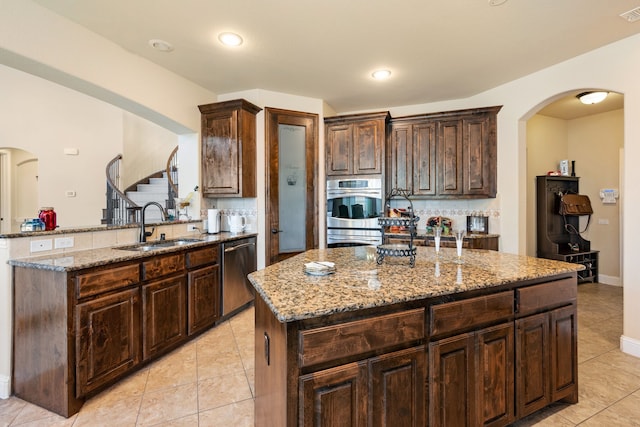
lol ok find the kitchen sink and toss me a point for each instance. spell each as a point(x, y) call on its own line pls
point(158, 244)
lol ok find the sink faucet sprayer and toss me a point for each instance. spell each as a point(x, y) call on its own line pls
point(143, 233)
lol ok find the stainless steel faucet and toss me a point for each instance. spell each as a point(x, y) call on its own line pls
point(143, 233)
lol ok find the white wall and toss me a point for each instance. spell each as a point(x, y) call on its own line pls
point(146, 148)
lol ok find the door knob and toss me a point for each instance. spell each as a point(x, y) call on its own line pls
point(275, 231)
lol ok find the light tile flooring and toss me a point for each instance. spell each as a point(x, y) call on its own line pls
point(209, 382)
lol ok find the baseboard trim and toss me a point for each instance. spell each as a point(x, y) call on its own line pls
point(609, 280)
point(630, 346)
point(5, 387)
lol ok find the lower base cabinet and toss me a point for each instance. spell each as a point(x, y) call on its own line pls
point(471, 380)
point(163, 318)
point(478, 360)
point(546, 344)
point(386, 390)
point(108, 331)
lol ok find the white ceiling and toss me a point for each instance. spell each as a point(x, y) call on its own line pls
point(436, 49)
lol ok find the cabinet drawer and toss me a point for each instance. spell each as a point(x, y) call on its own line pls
point(162, 266)
point(97, 282)
point(458, 316)
point(361, 336)
point(204, 256)
point(545, 296)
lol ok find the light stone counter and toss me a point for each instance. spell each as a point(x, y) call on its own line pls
point(70, 261)
point(360, 283)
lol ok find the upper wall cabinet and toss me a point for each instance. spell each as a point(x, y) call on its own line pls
point(449, 155)
point(355, 144)
point(229, 149)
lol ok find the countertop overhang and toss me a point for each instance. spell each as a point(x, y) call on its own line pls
point(360, 283)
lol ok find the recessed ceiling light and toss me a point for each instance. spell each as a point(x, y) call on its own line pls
point(230, 39)
point(161, 45)
point(592, 97)
point(497, 2)
point(381, 74)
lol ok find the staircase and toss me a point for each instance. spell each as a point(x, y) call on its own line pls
point(124, 208)
point(155, 191)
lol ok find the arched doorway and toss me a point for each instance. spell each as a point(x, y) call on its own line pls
point(18, 188)
point(592, 136)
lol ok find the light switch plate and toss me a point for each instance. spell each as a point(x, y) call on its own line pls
point(41, 245)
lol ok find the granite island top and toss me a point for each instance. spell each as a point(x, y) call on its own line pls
point(70, 261)
point(360, 283)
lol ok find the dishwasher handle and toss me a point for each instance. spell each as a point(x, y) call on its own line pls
point(237, 247)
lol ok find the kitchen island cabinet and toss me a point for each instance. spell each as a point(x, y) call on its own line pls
point(438, 344)
point(84, 320)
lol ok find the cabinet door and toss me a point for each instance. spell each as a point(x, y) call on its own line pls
point(339, 140)
point(564, 354)
point(479, 157)
point(368, 147)
point(532, 364)
point(334, 397)
point(203, 295)
point(220, 153)
point(424, 159)
point(163, 315)
point(452, 398)
point(397, 385)
point(450, 158)
point(496, 406)
point(400, 157)
point(107, 339)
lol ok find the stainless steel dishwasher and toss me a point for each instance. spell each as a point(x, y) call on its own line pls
point(238, 260)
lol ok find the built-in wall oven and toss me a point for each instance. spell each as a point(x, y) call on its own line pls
point(353, 208)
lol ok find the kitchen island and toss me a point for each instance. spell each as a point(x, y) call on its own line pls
point(484, 342)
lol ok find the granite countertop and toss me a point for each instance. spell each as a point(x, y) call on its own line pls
point(421, 234)
point(70, 261)
point(360, 283)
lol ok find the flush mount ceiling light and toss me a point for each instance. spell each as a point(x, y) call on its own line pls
point(161, 45)
point(230, 39)
point(592, 97)
point(496, 2)
point(381, 74)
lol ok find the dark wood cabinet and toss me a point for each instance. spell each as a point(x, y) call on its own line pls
point(203, 293)
point(485, 358)
point(228, 149)
point(386, 390)
point(556, 235)
point(163, 315)
point(90, 327)
point(444, 155)
point(355, 144)
point(107, 339)
point(334, 397)
point(546, 345)
point(475, 366)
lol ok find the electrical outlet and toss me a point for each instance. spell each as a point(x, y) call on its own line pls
point(63, 242)
point(603, 221)
point(41, 245)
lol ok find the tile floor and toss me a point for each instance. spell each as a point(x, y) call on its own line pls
point(209, 381)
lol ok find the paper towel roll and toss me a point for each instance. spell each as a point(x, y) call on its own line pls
point(213, 221)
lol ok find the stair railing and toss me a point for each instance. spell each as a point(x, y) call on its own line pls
point(172, 177)
point(120, 209)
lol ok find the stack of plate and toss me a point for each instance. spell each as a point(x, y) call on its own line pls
point(319, 268)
